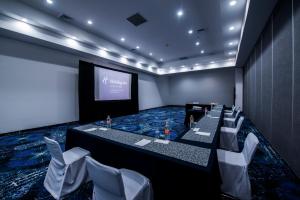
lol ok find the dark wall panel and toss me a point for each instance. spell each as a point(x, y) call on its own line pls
point(258, 85)
point(272, 89)
point(282, 84)
point(267, 80)
point(296, 100)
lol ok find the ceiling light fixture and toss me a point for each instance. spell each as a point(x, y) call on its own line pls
point(190, 31)
point(197, 43)
point(232, 3)
point(231, 28)
point(137, 47)
point(122, 39)
point(202, 51)
point(182, 66)
point(231, 53)
point(49, 1)
point(24, 20)
point(150, 54)
point(90, 22)
point(230, 43)
point(161, 60)
point(180, 13)
point(74, 38)
point(212, 62)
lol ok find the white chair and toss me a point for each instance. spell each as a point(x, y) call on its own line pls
point(230, 122)
point(234, 169)
point(66, 171)
point(230, 113)
point(228, 136)
point(117, 184)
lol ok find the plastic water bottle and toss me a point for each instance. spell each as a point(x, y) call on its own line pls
point(166, 130)
point(108, 121)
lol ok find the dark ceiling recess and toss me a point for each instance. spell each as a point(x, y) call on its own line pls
point(200, 30)
point(65, 17)
point(136, 19)
point(183, 58)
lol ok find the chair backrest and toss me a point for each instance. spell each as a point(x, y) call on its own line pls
point(250, 146)
point(106, 179)
point(239, 124)
point(55, 150)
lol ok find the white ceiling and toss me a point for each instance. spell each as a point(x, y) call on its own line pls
point(164, 34)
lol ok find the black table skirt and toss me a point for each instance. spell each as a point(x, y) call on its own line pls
point(171, 179)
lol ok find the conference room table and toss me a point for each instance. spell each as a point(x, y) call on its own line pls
point(206, 132)
point(176, 170)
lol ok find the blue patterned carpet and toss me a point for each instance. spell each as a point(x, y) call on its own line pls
point(24, 158)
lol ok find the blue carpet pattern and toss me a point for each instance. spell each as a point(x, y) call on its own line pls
point(24, 158)
point(151, 122)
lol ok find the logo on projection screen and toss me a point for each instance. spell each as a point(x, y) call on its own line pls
point(112, 85)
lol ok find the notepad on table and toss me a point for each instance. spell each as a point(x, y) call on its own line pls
point(90, 129)
point(142, 142)
point(103, 129)
point(162, 141)
point(196, 129)
point(202, 133)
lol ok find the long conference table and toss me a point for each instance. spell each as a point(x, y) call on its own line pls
point(183, 169)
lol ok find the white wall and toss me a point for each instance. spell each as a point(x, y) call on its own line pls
point(35, 94)
point(239, 87)
point(203, 86)
point(38, 86)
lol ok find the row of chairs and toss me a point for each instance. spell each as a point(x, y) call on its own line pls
point(68, 170)
point(233, 165)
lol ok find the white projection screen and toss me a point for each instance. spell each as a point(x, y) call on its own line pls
point(111, 85)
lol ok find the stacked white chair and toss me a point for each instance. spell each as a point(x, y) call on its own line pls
point(66, 171)
point(117, 184)
point(230, 122)
point(228, 136)
point(234, 169)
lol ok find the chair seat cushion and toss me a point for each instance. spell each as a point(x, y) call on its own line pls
point(229, 119)
point(133, 182)
point(74, 154)
point(231, 158)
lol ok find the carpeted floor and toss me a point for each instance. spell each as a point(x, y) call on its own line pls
point(24, 158)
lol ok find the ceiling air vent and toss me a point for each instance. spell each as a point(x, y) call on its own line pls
point(183, 58)
point(201, 30)
point(136, 19)
point(65, 17)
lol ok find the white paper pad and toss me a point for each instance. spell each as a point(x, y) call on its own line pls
point(196, 129)
point(162, 141)
point(103, 129)
point(202, 133)
point(142, 142)
point(90, 129)
point(213, 117)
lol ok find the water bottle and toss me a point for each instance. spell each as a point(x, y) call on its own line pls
point(166, 130)
point(108, 121)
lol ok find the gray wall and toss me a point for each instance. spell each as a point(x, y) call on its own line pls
point(38, 86)
point(205, 86)
point(272, 82)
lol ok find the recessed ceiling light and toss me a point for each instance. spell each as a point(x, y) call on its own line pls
point(73, 37)
point(231, 28)
point(49, 1)
point(24, 20)
point(90, 22)
point(197, 64)
point(122, 39)
point(212, 62)
point(161, 60)
point(202, 51)
point(232, 3)
point(231, 52)
point(179, 13)
point(230, 43)
point(197, 43)
point(150, 54)
point(182, 66)
point(190, 31)
point(137, 47)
